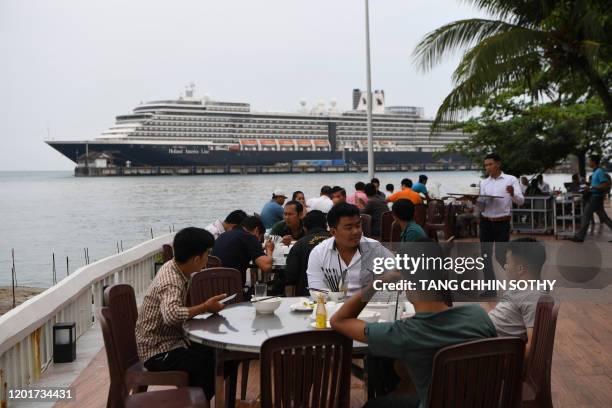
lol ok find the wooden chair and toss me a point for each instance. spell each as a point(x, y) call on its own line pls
point(366, 225)
point(420, 214)
point(396, 232)
point(212, 282)
point(167, 253)
point(481, 373)
point(386, 222)
point(308, 369)
point(135, 379)
point(168, 398)
point(439, 218)
point(536, 384)
point(213, 262)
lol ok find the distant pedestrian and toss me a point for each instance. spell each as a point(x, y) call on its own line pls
point(544, 186)
point(600, 186)
point(272, 212)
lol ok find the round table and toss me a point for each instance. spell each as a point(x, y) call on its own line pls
point(238, 329)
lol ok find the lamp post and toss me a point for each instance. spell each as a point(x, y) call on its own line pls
point(369, 91)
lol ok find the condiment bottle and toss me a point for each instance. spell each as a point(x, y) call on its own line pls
point(321, 313)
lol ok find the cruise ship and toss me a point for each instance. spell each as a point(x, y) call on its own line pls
point(192, 131)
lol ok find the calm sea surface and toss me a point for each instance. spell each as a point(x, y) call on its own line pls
point(53, 212)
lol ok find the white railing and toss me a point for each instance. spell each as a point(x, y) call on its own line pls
point(26, 332)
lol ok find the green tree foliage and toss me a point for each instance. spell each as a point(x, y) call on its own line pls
point(546, 47)
point(533, 137)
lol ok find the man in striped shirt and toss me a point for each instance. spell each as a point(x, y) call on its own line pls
point(159, 334)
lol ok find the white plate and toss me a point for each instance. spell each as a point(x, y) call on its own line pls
point(314, 325)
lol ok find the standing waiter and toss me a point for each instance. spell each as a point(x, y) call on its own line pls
point(496, 213)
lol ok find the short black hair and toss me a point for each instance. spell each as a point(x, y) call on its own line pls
point(423, 178)
point(314, 219)
point(190, 242)
point(370, 189)
point(407, 182)
point(341, 210)
point(295, 194)
point(540, 177)
point(251, 222)
point(596, 158)
point(530, 251)
point(359, 186)
point(298, 206)
point(375, 181)
point(327, 190)
point(390, 187)
point(337, 189)
point(235, 217)
point(493, 156)
point(403, 209)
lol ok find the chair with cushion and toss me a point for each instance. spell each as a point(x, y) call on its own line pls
point(126, 383)
point(215, 281)
point(366, 225)
point(480, 373)
point(167, 252)
point(536, 384)
point(308, 369)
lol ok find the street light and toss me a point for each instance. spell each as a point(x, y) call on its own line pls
point(369, 90)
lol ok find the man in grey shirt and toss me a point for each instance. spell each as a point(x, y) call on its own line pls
point(514, 315)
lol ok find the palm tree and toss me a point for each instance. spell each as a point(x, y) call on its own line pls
point(548, 47)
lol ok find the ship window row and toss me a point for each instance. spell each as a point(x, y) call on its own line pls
point(241, 120)
point(214, 125)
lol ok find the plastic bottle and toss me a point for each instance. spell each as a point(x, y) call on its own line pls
point(321, 313)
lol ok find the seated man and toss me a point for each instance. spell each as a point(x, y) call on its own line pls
point(414, 341)
point(514, 314)
point(338, 195)
point(272, 211)
point(291, 227)
point(406, 193)
point(315, 226)
point(322, 203)
point(159, 334)
point(403, 214)
point(420, 186)
point(359, 197)
point(347, 250)
point(242, 245)
point(219, 227)
point(375, 208)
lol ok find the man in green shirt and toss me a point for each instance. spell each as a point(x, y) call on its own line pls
point(290, 228)
point(414, 341)
point(403, 214)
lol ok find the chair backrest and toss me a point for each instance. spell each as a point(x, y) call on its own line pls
point(435, 212)
point(118, 388)
point(213, 262)
point(167, 253)
point(366, 225)
point(420, 214)
point(539, 361)
point(308, 369)
point(214, 281)
point(121, 302)
point(386, 221)
point(481, 373)
point(396, 232)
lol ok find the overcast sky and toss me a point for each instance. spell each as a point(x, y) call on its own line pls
point(68, 67)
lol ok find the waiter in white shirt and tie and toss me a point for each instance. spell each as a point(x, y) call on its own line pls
point(496, 212)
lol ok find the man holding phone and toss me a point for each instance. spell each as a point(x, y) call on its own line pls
point(159, 334)
point(503, 190)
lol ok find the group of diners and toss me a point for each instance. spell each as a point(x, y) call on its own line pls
point(331, 239)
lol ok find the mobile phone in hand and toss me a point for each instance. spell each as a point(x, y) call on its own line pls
point(227, 299)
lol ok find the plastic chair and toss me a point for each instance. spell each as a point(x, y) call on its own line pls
point(167, 253)
point(123, 382)
point(536, 384)
point(308, 369)
point(481, 373)
point(386, 222)
point(366, 225)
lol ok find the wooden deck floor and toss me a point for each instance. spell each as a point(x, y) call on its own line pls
point(581, 377)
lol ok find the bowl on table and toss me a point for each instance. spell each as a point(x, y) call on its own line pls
point(266, 306)
point(369, 316)
point(314, 294)
point(336, 296)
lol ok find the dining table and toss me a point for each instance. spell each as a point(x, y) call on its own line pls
point(238, 331)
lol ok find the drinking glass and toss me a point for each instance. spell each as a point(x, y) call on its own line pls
point(261, 289)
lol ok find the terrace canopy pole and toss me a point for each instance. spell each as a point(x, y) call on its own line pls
point(369, 90)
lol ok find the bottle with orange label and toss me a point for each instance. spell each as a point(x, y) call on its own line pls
point(321, 313)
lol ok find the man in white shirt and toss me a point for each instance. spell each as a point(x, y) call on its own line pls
point(496, 212)
point(544, 186)
point(218, 227)
point(322, 203)
point(347, 250)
